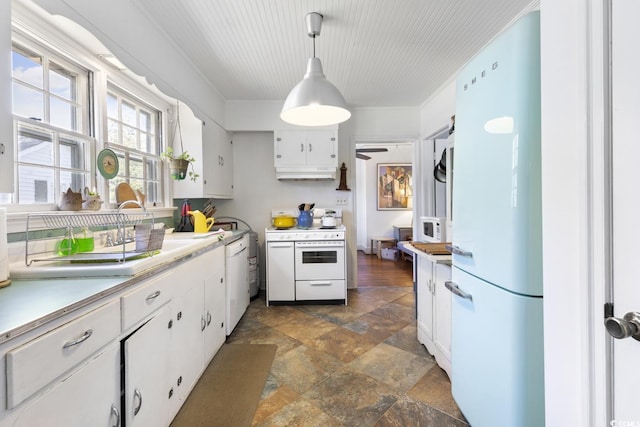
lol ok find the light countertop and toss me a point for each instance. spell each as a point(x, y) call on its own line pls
point(32, 301)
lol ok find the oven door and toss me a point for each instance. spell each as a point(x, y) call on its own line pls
point(319, 260)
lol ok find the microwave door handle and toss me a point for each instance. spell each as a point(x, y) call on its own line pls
point(458, 251)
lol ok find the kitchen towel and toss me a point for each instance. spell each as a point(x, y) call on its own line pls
point(4, 250)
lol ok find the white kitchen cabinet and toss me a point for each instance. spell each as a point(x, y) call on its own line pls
point(434, 309)
point(148, 385)
point(6, 118)
point(281, 285)
point(214, 303)
point(38, 362)
point(425, 302)
point(305, 151)
point(88, 396)
point(211, 146)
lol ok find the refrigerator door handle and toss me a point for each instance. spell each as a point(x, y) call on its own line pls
point(458, 251)
point(457, 291)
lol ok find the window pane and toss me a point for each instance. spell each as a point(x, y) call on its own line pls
point(73, 180)
point(63, 114)
point(112, 106)
point(128, 113)
point(28, 102)
point(135, 167)
point(72, 153)
point(129, 137)
point(137, 184)
point(27, 67)
point(152, 193)
point(35, 185)
point(113, 132)
point(61, 82)
point(152, 168)
point(146, 124)
point(35, 146)
point(145, 143)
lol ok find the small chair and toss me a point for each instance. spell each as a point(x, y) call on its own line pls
point(380, 241)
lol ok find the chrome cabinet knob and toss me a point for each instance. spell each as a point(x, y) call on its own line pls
point(628, 326)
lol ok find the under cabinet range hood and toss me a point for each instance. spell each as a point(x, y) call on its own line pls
point(305, 172)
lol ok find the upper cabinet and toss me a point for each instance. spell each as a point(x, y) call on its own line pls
point(306, 154)
point(6, 120)
point(211, 146)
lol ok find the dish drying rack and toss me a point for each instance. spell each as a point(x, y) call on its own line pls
point(46, 231)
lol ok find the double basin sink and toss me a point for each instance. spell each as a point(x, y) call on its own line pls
point(174, 247)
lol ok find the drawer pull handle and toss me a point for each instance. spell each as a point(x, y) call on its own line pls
point(154, 295)
point(80, 340)
point(115, 414)
point(137, 395)
point(320, 283)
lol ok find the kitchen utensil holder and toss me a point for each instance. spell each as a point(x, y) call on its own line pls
point(44, 230)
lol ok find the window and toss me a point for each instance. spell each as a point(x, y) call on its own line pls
point(50, 106)
point(133, 134)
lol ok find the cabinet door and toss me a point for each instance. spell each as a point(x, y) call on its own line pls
point(290, 148)
point(148, 385)
point(425, 302)
point(442, 311)
point(217, 148)
point(322, 148)
point(187, 345)
point(280, 278)
point(6, 120)
point(214, 300)
point(89, 396)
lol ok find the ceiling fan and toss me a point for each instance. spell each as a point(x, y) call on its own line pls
point(359, 152)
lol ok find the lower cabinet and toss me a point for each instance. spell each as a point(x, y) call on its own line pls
point(132, 361)
point(183, 336)
point(434, 310)
point(88, 396)
point(148, 386)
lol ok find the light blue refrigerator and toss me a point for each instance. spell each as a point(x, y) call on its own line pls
point(497, 334)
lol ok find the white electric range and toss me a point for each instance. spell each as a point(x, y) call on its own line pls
point(306, 264)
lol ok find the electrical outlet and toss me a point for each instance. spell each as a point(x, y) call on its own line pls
point(341, 200)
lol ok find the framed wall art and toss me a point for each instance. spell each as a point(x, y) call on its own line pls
point(395, 186)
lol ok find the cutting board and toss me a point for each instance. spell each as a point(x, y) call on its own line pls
point(124, 192)
point(432, 248)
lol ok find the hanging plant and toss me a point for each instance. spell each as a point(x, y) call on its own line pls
point(179, 164)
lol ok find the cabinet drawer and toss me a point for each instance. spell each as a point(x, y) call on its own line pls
point(38, 362)
point(145, 299)
point(320, 289)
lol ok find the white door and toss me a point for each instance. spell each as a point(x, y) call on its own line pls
point(626, 203)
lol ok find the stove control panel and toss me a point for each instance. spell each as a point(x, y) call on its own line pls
point(304, 235)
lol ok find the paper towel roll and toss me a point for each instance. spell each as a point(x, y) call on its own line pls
point(4, 249)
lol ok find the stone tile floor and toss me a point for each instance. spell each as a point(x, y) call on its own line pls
point(353, 365)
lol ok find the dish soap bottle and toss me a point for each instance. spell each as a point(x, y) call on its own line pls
point(85, 240)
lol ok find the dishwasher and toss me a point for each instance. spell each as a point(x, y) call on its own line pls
point(237, 284)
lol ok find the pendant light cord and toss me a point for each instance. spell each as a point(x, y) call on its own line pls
point(314, 46)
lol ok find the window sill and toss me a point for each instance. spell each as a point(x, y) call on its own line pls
point(17, 221)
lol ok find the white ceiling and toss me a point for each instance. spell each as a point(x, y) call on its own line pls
point(376, 52)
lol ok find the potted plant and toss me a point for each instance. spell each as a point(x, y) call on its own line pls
point(179, 164)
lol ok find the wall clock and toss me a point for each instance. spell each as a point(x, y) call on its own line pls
point(108, 163)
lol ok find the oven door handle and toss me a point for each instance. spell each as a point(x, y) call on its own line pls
point(316, 247)
point(323, 283)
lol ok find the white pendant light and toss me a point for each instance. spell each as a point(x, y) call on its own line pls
point(314, 101)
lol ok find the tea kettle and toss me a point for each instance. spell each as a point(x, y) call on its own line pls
point(329, 219)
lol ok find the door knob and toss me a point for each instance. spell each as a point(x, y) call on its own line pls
point(628, 326)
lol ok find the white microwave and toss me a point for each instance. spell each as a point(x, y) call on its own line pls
point(432, 229)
